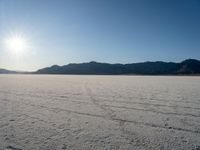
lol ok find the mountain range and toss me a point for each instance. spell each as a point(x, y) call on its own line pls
point(4, 71)
point(186, 67)
point(189, 66)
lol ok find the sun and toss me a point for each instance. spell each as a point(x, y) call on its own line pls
point(16, 43)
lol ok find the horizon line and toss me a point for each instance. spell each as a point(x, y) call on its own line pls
point(24, 71)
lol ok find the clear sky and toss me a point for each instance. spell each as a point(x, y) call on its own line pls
point(113, 31)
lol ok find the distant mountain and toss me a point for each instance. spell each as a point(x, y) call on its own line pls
point(189, 66)
point(4, 71)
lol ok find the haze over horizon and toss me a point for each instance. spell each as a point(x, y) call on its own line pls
point(36, 34)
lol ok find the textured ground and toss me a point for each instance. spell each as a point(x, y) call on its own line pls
point(41, 112)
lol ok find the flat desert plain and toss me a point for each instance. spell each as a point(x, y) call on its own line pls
point(55, 112)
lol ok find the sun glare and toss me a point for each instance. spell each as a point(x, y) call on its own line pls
point(16, 43)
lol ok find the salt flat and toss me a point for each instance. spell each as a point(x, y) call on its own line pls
point(50, 112)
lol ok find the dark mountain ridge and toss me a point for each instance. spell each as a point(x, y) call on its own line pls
point(189, 66)
point(4, 71)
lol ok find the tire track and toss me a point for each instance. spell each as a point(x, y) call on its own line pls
point(112, 118)
point(125, 102)
point(109, 112)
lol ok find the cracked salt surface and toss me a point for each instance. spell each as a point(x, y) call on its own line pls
point(50, 112)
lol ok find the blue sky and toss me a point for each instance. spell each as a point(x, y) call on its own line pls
point(114, 31)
